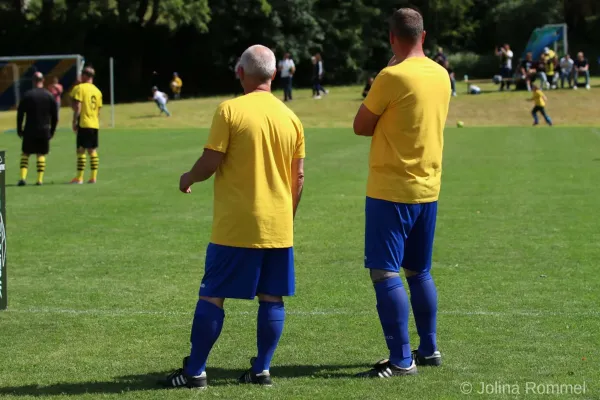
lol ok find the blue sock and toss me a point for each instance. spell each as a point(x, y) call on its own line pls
point(269, 327)
point(392, 306)
point(423, 297)
point(206, 328)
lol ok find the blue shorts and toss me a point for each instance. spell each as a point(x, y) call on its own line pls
point(243, 273)
point(399, 235)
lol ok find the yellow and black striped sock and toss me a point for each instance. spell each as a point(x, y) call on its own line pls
point(94, 164)
point(24, 166)
point(41, 168)
point(81, 159)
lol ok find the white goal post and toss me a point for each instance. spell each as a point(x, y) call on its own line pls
point(565, 41)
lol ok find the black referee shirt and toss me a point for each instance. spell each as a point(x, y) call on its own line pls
point(42, 113)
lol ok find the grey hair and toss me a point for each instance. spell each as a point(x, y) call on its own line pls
point(259, 62)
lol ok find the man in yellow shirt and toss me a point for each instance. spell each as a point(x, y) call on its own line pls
point(87, 102)
point(256, 149)
point(404, 113)
point(176, 85)
point(539, 99)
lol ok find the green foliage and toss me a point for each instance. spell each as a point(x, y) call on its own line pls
point(204, 37)
point(185, 12)
point(473, 65)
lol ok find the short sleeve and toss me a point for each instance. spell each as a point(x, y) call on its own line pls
point(381, 93)
point(292, 65)
point(100, 103)
point(218, 139)
point(300, 151)
point(76, 93)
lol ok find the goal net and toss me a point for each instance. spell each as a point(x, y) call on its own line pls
point(552, 36)
point(16, 75)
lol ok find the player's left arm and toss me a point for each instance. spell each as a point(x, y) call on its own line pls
point(53, 115)
point(298, 168)
point(100, 103)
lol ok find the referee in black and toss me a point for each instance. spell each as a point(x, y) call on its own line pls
point(41, 111)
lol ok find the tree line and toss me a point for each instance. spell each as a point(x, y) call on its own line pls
point(201, 39)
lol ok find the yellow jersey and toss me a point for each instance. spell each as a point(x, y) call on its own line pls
point(549, 61)
point(90, 98)
point(412, 99)
point(260, 137)
point(538, 98)
point(176, 85)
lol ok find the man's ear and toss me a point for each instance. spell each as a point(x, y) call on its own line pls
point(423, 37)
point(391, 38)
point(274, 75)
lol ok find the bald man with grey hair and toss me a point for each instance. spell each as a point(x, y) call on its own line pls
point(255, 149)
point(259, 62)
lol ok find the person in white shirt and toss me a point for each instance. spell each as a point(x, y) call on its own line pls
point(566, 71)
point(506, 69)
point(286, 69)
point(160, 99)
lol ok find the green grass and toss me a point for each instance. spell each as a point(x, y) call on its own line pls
point(337, 110)
point(103, 279)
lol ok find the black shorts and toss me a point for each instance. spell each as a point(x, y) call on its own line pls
point(35, 145)
point(87, 138)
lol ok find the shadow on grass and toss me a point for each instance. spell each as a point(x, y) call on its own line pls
point(51, 183)
point(29, 185)
point(145, 116)
point(152, 381)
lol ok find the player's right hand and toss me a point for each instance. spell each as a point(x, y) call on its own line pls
point(185, 183)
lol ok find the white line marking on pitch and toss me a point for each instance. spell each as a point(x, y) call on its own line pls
point(127, 313)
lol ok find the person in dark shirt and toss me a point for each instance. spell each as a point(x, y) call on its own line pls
point(451, 76)
point(440, 57)
point(581, 67)
point(368, 87)
point(528, 70)
point(318, 73)
point(41, 111)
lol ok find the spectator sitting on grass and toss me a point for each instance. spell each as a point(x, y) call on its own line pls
point(582, 67)
point(541, 72)
point(528, 71)
point(566, 71)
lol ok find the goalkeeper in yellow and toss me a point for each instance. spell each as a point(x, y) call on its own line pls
point(87, 102)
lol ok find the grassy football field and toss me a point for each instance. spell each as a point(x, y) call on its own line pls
point(103, 279)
